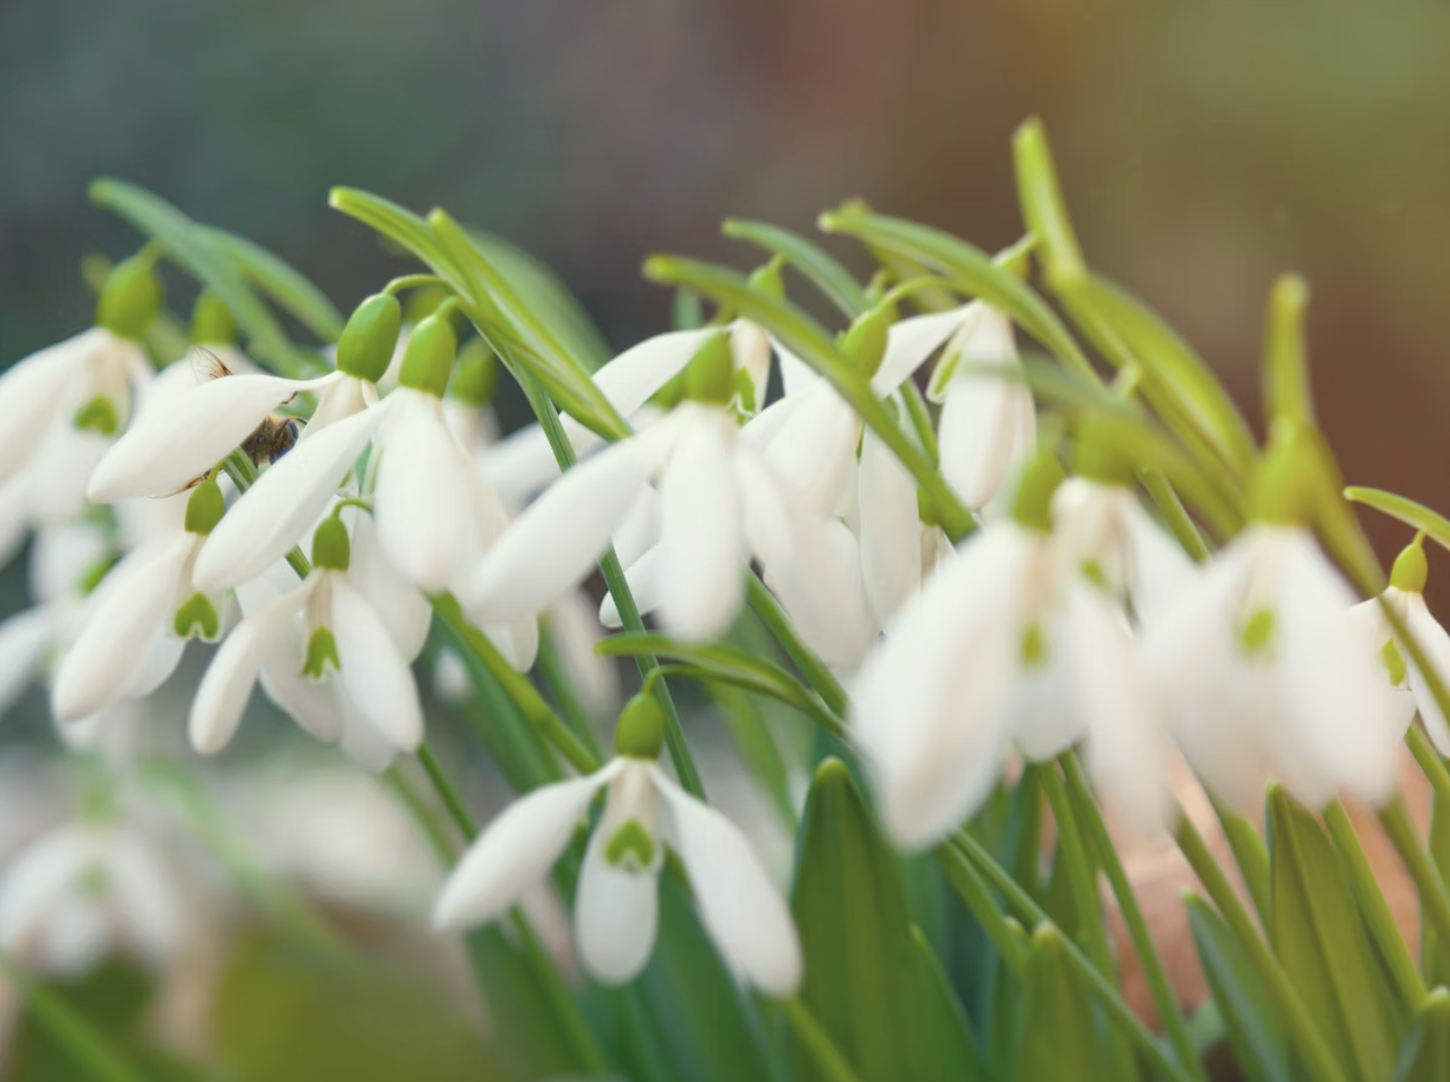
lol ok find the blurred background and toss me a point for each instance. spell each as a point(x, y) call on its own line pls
point(1204, 149)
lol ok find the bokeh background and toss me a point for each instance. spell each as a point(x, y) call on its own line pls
point(1204, 149)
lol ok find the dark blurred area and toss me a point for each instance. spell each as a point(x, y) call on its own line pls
point(1204, 148)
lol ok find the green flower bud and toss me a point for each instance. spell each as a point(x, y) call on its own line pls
point(1032, 506)
point(1411, 570)
point(641, 730)
point(205, 507)
point(475, 374)
point(710, 375)
point(131, 299)
point(766, 279)
point(321, 653)
point(331, 548)
point(1283, 488)
point(100, 415)
point(366, 347)
point(864, 343)
point(429, 358)
point(198, 616)
point(211, 320)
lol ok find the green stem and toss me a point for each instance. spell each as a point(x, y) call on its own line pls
point(820, 678)
point(90, 1047)
point(1429, 760)
point(413, 281)
point(558, 684)
point(1376, 910)
point(1169, 1012)
point(1431, 887)
point(1317, 1056)
point(828, 1058)
point(978, 900)
point(457, 811)
point(1250, 854)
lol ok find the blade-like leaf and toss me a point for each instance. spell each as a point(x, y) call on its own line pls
point(1417, 515)
point(1425, 1055)
point(956, 1047)
point(834, 280)
point(1059, 1038)
point(282, 282)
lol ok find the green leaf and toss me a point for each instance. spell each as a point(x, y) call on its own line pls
point(398, 224)
point(864, 982)
point(197, 251)
point(1320, 939)
point(1434, 952)
point(282, 282)
point(1416, 515)
point(1040, 196)
point(834, 280)
point(1249, 1014)
point(1059, 1036)
point(951, 1033)
point(729, 664)
point(1425, 1055)
point(969, 269)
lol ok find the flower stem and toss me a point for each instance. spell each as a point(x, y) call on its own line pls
point(1317, 1057)
point(446, 792)
point(828, 1058)
point(812, 667)
point(73, 1030)
point(1431, 887)
point(1170, 1014)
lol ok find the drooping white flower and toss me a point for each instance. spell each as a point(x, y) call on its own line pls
point(1267, 675)
point(88, 889)
point(333, 652)
point(1003, 647)
point(167, 448)
point(616, 908)
point(719, 503)
point(1412, 691)
point(137, 622)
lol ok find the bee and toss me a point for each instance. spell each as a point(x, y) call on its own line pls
point(269, 441)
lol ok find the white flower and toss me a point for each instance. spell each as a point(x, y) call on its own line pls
point(85, 890)
point(1000, 648)
point(333, 652)
point(616, 908)
point(1267, 674)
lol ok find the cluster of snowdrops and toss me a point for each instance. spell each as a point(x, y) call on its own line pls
point(976, 548)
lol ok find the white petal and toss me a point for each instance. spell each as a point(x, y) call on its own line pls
point(118, 633)
point(890, 530)
point(645, 579)
point(404, 610)
point(554, 543)
point(318, 707)
point(342, 397)
point(421, 499)
point(980, 431)
point(750, 352)
point(766, 425)
point(156, 667)
point(740, 907)
point(143, 894)
point(516, 851)
point(520, 464)
point(286, 502)
point(60, 558)
point(38, 876)
point(821, 590)
point(33, 391)
point(575, 631)
point(1432, 639)
point(909, 343)
point(372, 673)
point(167, 448)
point(701, 546)
point(795, 374)
point(1161, 570)
point(222, 695)
point(57, 476)
point(363, 744)
point(640, 530)
point(816, 449)
point(25, 639)
point(517, 640)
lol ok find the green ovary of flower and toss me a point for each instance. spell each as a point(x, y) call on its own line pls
point(631, 847)
point(198, 616)
point(321, 652)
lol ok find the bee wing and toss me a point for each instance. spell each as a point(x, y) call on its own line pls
point(206, 365)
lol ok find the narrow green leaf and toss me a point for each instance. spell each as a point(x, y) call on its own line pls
point(863, 978)
point(1255, 1029)
point(834, 280)
point(955, 1047)
point(1040, 196)
point(1416, 515)
point(1321, 941)
point(282, 282)
point(1434, 951)
point(398, 224)
point(196, 251)
point(1425, 1055)
point(1059, 1036)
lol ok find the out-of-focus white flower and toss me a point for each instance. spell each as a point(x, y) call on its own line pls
point(616, 908)
point(333, 652)
point(84, 891)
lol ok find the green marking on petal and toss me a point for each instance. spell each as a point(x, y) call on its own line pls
point(1257, 633)
point(1034, 646)
point(321, 652)
point(1394, 662)
point(99, 415)
point(745, 391)
point(198, 616)
point(92, 576)
point(631, 847)
point(1094, 573)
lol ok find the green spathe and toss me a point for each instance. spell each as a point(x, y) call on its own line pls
point(131, 298)
point(331, 549)
point(371, 336)
point(211, 321)
point(710, 375)
point(641, 730)
point(205, 507)
point(429, 357)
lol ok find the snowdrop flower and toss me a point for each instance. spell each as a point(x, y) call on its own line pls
point(85, 383)
point(1264, 669)
point(1001, 647)
point(1406, 596)
point(616, 908)
point(139, 619)
point(524, 463)
point(77, 894)
point(165, 450)
point(329, 652)
point(719, 501)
